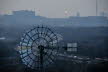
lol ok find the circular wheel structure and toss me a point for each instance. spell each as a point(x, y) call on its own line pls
point(38, 48)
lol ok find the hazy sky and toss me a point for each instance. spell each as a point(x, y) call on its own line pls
point(55, 8)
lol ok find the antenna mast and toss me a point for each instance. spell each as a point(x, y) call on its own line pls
point(96, 7)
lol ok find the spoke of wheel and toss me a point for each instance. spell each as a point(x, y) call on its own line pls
point(30, 37)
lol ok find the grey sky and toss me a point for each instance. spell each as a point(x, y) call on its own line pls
point(55, 8)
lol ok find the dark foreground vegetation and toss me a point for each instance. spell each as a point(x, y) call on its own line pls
point(92, 42)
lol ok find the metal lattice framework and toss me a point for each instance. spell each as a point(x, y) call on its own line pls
point(38, 47)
